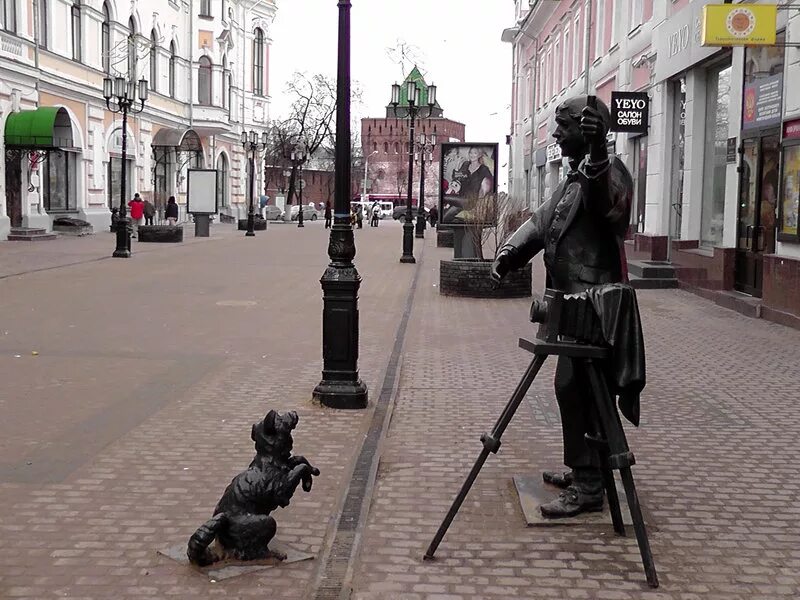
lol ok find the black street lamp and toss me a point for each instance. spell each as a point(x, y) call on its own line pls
point(425, 145)
point(341, 386)
point(298, 157)
point(412, 112)
point(251, 145)
point(121, 97)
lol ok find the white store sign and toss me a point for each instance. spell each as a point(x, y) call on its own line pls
point(678, 41)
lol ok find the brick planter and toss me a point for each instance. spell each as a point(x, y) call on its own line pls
point(444, 238)
point(258, 224)
point(162, 234)
point(469, 277)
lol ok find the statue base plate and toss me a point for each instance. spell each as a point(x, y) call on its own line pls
point(227, 569)
point(533, 492)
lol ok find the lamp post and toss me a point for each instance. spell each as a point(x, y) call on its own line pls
point(412, 111)
point(298, 157)
point(121, 96)
point(425, 145)
point(251, 145)
point(341, 386)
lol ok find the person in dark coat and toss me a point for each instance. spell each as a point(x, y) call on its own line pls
point(433, 215)
point(327, 214)
point(581, 230)
point(172, 211)
point(149, 212)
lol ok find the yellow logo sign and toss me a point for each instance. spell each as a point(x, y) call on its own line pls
point(739, 25)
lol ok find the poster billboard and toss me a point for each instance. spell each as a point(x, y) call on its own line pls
point(201, 191)
point(468, 183)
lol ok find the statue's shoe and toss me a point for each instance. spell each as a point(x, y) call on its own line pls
point(562, 479)
point(572, 502)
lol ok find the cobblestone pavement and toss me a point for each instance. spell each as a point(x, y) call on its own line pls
point(118, 437)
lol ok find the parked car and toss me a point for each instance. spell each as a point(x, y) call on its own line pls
point(399, 213)
point(273, 213)
point(309, 212)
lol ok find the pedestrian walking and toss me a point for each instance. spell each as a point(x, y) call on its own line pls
point(433, 215)
point(262, 204)
point(375, 214)
point(360, 216)
point(327, 214)
point(137, 212)
point(172, 211)
point(149, 212)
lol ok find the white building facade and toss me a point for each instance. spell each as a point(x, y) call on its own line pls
point(711, 188)
point(207, 67)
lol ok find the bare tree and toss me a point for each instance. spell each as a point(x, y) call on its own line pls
point(490, 221)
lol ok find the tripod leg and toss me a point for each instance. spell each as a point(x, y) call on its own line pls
point(600, 443)
point(491, 443)
point(621, 458)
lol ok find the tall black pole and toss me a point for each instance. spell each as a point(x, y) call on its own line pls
point(300, 198)
point(408, 226)
point(420, 230)
point(251, 216)
point(341, 386)
point(123, 249)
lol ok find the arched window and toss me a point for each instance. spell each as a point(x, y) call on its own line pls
point(153, 61)
point(172, 60)
point(105, 42)
point(258, 62)
point(76, 30)
point(396, 148)
point(222, 181)
point(8, 15)
point(374, 146)
point(386, 147)
point(133, 60)
point(204, 89)
point(43, 10)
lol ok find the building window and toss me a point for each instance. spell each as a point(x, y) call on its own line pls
point(172, 60)
point(133, 59)
point(8, 15)
point(542, 74)
point(577, 54)
point(224, 11)
point(636, 11)
point(397, 148)
point(557, 67)
point(374, 146)
point(386, 147)
point(105, 42)
point(205, 8)
point(222, 181)
point(599, 29)
point(567, 62)
point(718, 93)
point(153, 61)
point(204, 89)
point(59, 181)
point(76, 30)
point(258, 63)
point(43, 8)
point(225, 83)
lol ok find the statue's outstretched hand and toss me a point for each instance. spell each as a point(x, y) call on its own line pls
point(500, 267)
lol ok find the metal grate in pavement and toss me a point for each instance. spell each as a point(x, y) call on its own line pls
point(343, 548)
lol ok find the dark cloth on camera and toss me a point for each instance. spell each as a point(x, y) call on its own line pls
point(618, 312)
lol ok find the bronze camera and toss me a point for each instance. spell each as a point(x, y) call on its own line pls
point(570, 316)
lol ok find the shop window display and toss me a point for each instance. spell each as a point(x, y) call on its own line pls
point(718, 92)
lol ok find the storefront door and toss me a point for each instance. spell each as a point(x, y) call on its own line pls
point(14, 191)
point(758, 191)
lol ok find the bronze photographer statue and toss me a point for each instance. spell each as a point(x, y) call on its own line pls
point(581, 229)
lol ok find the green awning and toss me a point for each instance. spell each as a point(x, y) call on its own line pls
point(47, 127)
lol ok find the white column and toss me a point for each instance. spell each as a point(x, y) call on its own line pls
point(659, 158)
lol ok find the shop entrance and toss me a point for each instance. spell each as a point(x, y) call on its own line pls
point(14, 190)
point(758, 192)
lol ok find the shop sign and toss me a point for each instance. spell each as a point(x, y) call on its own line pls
point(730, 155)
point(678, 41)
point(762, 102)
point(738, 25)
point(791, 130)
point(630, 111)
point(553, 152)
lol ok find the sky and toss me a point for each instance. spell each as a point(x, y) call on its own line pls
point(455, 44)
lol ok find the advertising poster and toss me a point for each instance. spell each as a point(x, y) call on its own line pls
point(790, 190)
point(762, 102)
point(737, 25)
point(469, 183)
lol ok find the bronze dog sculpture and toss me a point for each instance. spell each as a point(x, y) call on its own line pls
point(242, 525)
